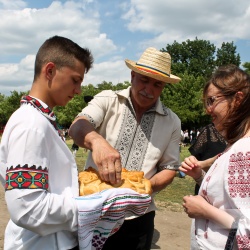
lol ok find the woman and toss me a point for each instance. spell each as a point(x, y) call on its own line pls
point(223, 201)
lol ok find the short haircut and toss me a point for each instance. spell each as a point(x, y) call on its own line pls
point(63, 52)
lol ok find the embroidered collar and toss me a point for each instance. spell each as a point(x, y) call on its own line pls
point(45, 111)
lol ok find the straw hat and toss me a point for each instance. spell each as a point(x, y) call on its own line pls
point(155, 64)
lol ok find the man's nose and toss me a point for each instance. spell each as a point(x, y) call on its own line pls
point(78, 90)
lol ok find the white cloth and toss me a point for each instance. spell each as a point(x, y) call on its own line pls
point(102, 214)
point(143, 147)
point(227, 186)
point(45, 217)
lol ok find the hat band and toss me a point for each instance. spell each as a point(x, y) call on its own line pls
point(151, 70)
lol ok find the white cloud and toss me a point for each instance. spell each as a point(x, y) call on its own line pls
point(90, 23)
point(16, 4)
point(24, 30)
point(180, 20)
point(109, 71)
point(17, 75)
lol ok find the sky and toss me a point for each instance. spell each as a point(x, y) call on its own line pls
point(114, 30)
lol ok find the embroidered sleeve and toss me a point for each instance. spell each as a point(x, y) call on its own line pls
point(238, 188)
point(26, 177)
point(31, 204)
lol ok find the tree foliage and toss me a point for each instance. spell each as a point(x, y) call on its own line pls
point(185, 100)
point(192, 60)
point(9, 104)
point(246, 66)
point(227, 54)
point(192, 57)
point(65, 115)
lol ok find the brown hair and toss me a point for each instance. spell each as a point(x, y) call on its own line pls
point(63, 52)
point(230, 79)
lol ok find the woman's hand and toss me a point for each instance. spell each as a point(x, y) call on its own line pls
point(191, 166)
point(195, 206)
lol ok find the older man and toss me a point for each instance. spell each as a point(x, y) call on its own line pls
point(131, 128)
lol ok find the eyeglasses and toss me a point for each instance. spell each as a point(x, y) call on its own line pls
point(209, 101)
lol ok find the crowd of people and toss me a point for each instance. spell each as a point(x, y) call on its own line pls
point(130, 129)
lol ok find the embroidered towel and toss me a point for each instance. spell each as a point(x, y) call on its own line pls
point(100, 215)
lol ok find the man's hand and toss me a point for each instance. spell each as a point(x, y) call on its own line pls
point(108, 161)
point(106, 158)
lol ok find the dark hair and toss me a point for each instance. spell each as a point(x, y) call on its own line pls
point(230, 79)
point(63, 52)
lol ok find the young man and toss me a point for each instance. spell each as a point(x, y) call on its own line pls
point(37, 168)
point(133, 129)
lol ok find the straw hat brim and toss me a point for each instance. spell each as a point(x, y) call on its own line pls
point(171, 79)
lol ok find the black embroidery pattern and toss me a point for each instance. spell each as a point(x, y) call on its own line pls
point(90, 119)
point(133, 138)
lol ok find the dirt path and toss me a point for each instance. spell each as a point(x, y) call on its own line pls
point(171, 228)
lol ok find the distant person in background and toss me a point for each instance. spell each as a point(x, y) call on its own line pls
point(197, 133)
point(186, 137)
point(181, 174)
point(221, 209)
point(192, 136)
point(74, 148)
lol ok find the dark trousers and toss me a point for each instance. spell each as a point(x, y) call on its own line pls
point(135, 234)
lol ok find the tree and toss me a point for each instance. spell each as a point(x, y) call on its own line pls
point(9, 104)
point(65, 115)
point(184, 98)
point(193, 57)
point(227, 55)
point(246, 65)
point(3, 116)
point(194, 61)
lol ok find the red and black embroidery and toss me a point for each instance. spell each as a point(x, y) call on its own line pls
point(24, 177)
point(47, 112)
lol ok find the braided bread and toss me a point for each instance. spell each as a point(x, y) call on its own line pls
point(90, 182)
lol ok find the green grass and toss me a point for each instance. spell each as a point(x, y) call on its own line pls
point(81, 155)
point(179, 187)
point(171, 196)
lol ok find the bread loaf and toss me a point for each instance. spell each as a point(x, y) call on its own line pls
point(90, 182)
